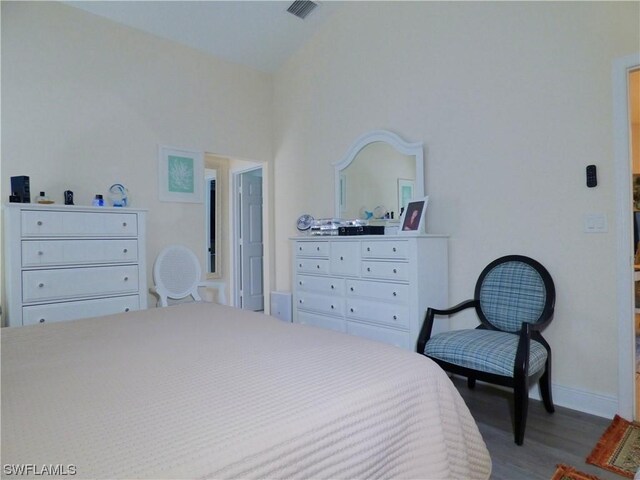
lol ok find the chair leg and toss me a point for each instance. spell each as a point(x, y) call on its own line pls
point(545, 389)
point(471, 382)
point(521, 405)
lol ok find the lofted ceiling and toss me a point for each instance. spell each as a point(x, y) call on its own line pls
point(257, 34)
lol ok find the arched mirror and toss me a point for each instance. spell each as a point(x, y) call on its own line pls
point(379, 175)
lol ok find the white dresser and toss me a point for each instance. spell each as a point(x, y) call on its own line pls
point(68, 262)
point(373, 286)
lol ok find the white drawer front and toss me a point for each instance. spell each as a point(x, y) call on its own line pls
point(321, 284)
point(386, 270)
point(320, 303)
point(60, 284)
point(332, 323)
point(77, 252)
point(394, 292)
point(318, 249)
point(381, 334)
point(60, 312)
point(385, 249)
point(82, 224)
point(312, 265)
point(345, 258)
point(378, 312)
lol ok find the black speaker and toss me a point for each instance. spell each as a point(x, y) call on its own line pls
point(20, 188)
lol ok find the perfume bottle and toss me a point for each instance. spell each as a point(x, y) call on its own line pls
point(98, 201)
point(42, 198)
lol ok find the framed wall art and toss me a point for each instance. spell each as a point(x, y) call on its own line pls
point(180, 175)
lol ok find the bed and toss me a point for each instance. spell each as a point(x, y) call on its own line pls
point(208, 391)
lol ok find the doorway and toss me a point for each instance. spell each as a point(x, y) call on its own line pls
point(248, 239)
point(622, 68)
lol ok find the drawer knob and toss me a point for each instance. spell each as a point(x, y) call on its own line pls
point(300, 301)
point(351, 309)
point(318, 249)
point(300, 282)
point(341, 258)
point(39, 222)
point(394, 249)
point(317, 266)
point(395, 294)
point(332, 307)
point(42, 320)
point(333, 287)
point(368, 249)
point(300, 248)
point(395, 317)
point(368, 269)
point(395, 270)
point(124, 224)
point(40, 285)
point(351, 289)
point(126, 279)
point(300, 265)
point(40, 252)
point(126, 309)
point(125, 250)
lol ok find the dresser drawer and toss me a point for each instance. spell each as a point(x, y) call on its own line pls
point(385, 270)
point(36, 253)
point(397, 249)
point(59, 312)
point(345, 258)
point(318, 249)
point(312, 265)
point(332, 323)
point(385, 313)
point(327, 285)
point(382, 334)
point(393, 292)
point(320, 303)
point(67, 283)
point(78, 224)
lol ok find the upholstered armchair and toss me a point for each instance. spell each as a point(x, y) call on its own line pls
point(514, 300)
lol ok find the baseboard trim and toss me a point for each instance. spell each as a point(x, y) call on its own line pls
point(605, 406)
point(581, 400)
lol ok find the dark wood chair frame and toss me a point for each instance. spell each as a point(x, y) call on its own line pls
point(521, 379)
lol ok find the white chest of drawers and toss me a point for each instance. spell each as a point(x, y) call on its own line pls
point(69, 262)
point(374, 286)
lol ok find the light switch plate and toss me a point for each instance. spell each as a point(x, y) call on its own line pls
point(595, 223)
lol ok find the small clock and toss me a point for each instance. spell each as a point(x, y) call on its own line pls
point(304, 222)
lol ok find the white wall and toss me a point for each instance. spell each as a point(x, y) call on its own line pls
point(86, 102)
point(512, 101)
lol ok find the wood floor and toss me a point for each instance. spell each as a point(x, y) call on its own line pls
point(566, 436)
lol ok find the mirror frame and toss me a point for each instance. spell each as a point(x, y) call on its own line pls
point(415, 149)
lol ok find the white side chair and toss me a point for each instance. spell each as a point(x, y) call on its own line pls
point(177, 274)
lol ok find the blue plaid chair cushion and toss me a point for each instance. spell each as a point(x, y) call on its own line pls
point(485, 350)
point(512, 293)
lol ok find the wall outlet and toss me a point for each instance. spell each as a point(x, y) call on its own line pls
point(595, 223)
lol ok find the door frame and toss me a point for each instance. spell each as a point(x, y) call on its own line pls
point(235, 181)
point(624, 255)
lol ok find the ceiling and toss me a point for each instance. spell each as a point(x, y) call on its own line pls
point(257, 34)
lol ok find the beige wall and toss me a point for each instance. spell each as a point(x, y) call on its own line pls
point(512, 101)
point(86, 102)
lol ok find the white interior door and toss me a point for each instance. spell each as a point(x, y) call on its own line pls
point(251, 243)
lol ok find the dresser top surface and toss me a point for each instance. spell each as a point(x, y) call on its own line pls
point(312, 238)
point(70, 208)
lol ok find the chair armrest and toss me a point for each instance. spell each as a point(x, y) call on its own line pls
point(427, 325)
point(219, 285)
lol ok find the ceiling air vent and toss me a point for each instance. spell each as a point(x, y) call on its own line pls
point(301, 8)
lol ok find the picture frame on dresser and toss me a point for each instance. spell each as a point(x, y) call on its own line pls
point(180, 175)
point(413, 218)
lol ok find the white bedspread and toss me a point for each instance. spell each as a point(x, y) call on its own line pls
point(207, 391)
